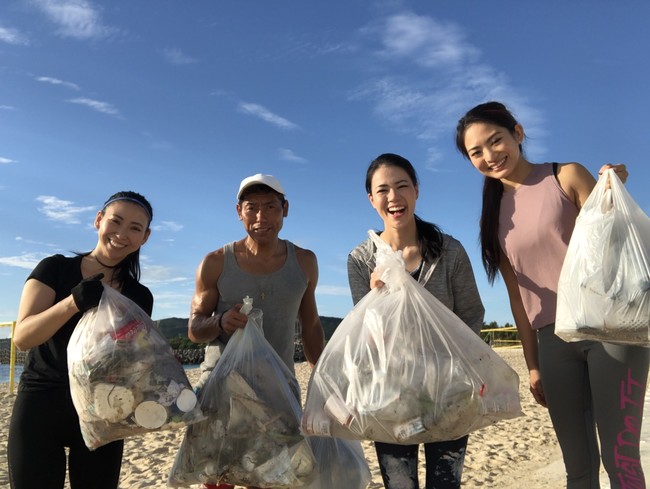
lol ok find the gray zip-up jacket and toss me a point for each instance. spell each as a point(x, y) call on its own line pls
point(451, 282)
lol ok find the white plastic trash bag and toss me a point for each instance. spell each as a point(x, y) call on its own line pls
point(340, 464)
point(604, 286)
point(124, 377)
point(402, 368)
point(252, 434)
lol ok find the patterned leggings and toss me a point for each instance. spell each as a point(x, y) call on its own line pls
point(595, 391)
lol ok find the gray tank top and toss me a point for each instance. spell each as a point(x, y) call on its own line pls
point(277, 294)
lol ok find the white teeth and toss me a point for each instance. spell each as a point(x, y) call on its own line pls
point(395, 209)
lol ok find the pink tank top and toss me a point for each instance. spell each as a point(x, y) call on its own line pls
point(535, 224)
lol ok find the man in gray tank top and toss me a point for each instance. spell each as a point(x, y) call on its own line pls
point(279, 276)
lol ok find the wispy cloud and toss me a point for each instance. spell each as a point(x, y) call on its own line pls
point(12, 36)
point(176, 57)
point(167, 226)
point(7, 107)
point(26, 260)
point(99, 106)
point(333, 290)
point(426, 41)
point(78, 19)
point(60, 210)
point(289, 155)
point(56, 81)
point(452, 76)
point(266, 115)
point(6, 161)
point(158, 275)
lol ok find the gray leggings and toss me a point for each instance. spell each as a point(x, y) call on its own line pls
point(590, 384)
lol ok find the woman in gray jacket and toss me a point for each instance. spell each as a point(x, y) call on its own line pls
point(440, 263)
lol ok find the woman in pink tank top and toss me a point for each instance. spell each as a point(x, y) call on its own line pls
point(593, 390)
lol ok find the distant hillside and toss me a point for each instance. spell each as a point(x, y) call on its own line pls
point(329, 325)
point(174, 327)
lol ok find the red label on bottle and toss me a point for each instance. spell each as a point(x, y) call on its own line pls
point(128, 331)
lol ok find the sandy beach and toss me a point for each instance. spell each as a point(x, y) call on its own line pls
point(521, 452)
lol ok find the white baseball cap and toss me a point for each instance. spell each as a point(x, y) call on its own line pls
point(260, 179)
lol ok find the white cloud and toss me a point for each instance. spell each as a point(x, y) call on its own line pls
point(289, 155)
point(426, 41)
point(266, 115)
point(7, 107)
point(333, 290)
point(56, 81)
point(12, 36)
point(26, 260)
point(450, 79)
point(167, 226)
point(6, 161)
point(65, 211)
point(99, 106)
point(78, 19)
point(158, 275)
point(176, 57)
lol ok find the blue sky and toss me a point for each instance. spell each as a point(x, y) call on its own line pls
point(181, 100)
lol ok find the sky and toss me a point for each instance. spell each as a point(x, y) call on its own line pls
point(181, 100)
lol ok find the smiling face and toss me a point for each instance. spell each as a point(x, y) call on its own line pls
point(494, 150)
point(123, 227)
point(393, 195)
point(262, 214)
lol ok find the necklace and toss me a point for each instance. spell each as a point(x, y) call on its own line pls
point(103, 264)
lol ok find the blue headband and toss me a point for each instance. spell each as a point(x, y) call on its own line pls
point(129, 199)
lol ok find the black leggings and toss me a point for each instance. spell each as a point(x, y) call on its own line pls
point(42, 425)
point(444, 464)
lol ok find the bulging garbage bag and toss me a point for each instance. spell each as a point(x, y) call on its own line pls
point(402, 368)
point(124, 377)
point(604, 286)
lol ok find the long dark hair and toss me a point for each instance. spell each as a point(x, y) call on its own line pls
point(428, 234)
point(129, 266)
point(497, 114)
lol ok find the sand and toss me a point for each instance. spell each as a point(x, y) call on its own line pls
point(518, 453)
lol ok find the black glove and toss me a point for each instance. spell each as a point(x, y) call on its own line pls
point(88, 292)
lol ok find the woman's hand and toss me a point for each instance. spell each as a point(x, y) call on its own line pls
point(620, 170)
point(536, 387)
point(88, 292)
point(375, 279)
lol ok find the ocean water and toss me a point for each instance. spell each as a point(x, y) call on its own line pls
point(5, 370)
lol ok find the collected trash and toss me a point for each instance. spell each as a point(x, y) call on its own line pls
point(252, 434)
point(402, 368)
point(124, 378)
point(339, 464)
point(604, 286)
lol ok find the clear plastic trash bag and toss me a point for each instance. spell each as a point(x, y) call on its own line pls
point(252, 434)
point(340, 464)
point(402, 368)
point(604, 286)
point(124, 377)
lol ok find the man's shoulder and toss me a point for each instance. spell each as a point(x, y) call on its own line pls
point(214, 259)
point(219, 253)
point(302, 252)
